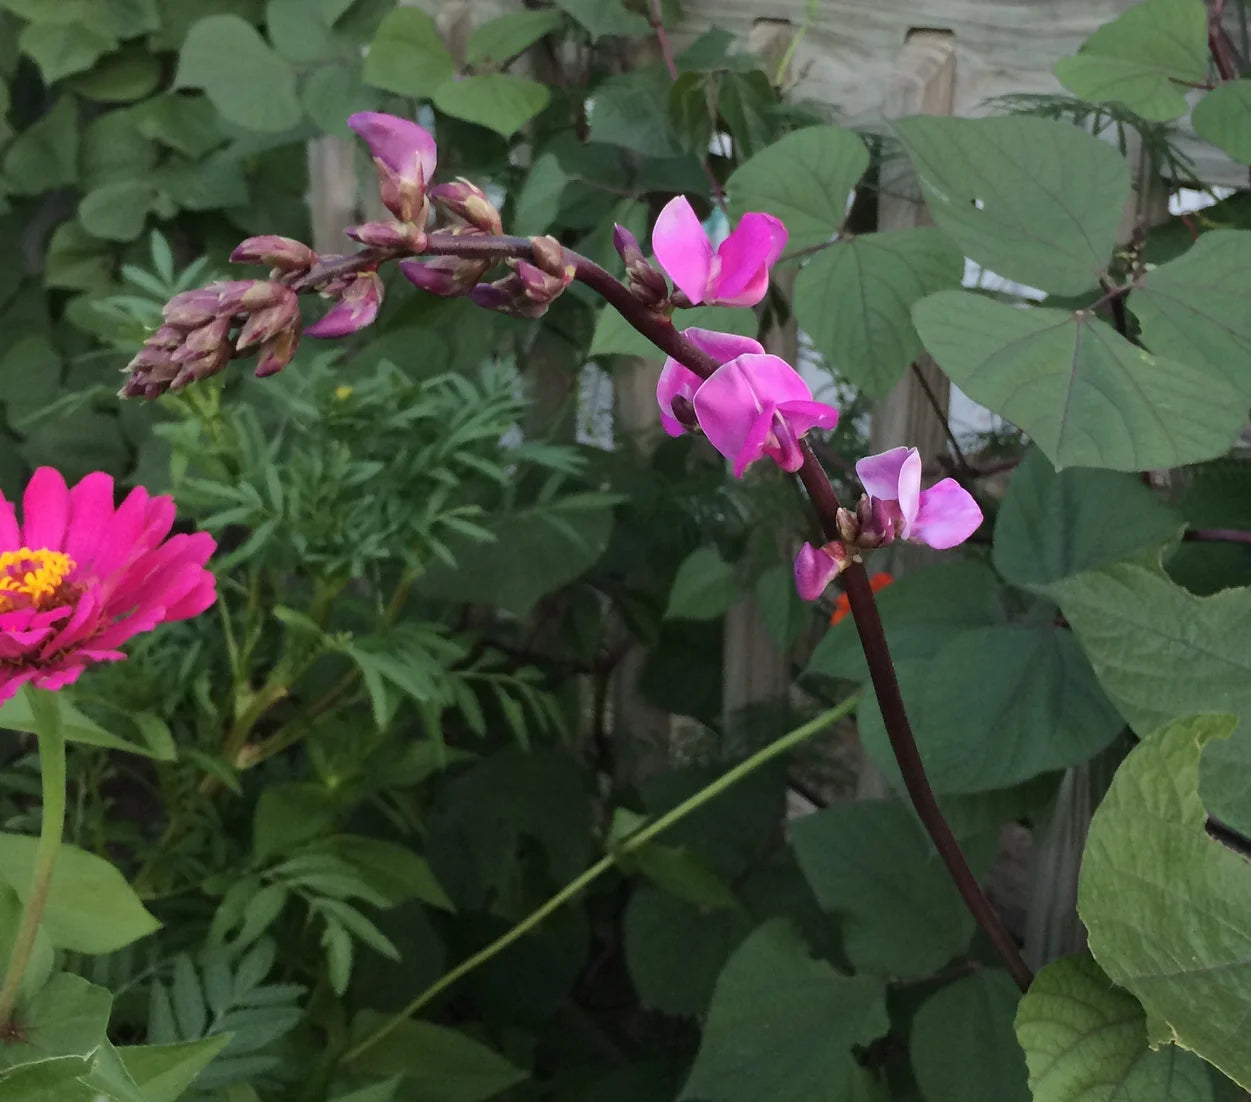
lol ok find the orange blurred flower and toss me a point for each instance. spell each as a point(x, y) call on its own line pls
point(842, 607)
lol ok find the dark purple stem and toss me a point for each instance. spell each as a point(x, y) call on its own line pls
point(1217, 535)
point(660, 331)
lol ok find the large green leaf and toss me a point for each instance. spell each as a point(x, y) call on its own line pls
point(1037, 201)
point(805, 178)
point(922, 612)
point(962, 1045)
point(44, 156)
point(250, 84)
point(1168, 910)
point(1193, 309)
point(67, 1017)
point(62, 49)
point(605, 17)
point(1054, 524)
point(870, 864)
point(704, 587)
point(1085, 1040)
point(1160, 652)
point(407, 55)
point(124, 76)
point(614, 336)
point(164, 1072)
point(498, 101)
point(1086, 396)
point(782, 1025)
point(117, 211)
point(1143, 59)
point(500, 38)
point(16, 715)
point(855, 300)
point(630, 110)
point(675, 950)
point(90, 908)
point(997, 706)
point(1223, 117)
point(438, 1064)
point(539, 797)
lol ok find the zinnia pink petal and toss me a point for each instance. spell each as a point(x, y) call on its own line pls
point(814, 570)
point(10, 532)
point(90, 515)
point(947, 515)
point(45, 510)
point(682, 248)
point(400, 144)
point(746, 256)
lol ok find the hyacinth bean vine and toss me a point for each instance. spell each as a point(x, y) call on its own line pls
point(748, 404)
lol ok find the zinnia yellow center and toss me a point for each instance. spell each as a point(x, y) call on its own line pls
point(32, 578)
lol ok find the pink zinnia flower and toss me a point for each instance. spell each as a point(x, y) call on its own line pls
point(737, 274)
point(79, 577)
point(942, 516)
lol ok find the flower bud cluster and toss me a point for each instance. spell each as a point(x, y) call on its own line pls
point(646, 282)
point(195, 338)
point(531, 287)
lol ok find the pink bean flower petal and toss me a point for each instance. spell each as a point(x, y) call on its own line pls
point(78, 577)
point(357, 307)
point(942, 516)
point(678, 381)
point(407, 149)
point(736, 274)
point(757, 405)
point(814, 570)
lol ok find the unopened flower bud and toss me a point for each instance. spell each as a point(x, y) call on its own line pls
point(537, 285)
point(201, 367)
point(553, 258)
point(266, 324)
point(404, 196)
point(166, 336)
point(357, 307)
point(848, 525)
point(816, 567)
point(627, 245)
point(274, 251)
point(877, 520)
point(647, 283)
point(263, 293)
point(684, 412)
point(276, 353)
point(205, 339)
point(444, 275)
point(492, 296)
point(469, 203)
point(389, 235)
point(191, 308)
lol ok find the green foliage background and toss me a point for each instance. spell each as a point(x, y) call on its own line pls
point(402, 729)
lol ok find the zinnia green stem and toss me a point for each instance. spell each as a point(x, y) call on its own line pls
point(639, 838)
point(52, 775)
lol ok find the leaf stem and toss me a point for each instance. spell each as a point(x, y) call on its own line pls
point(52, 777)
point(640, 838)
